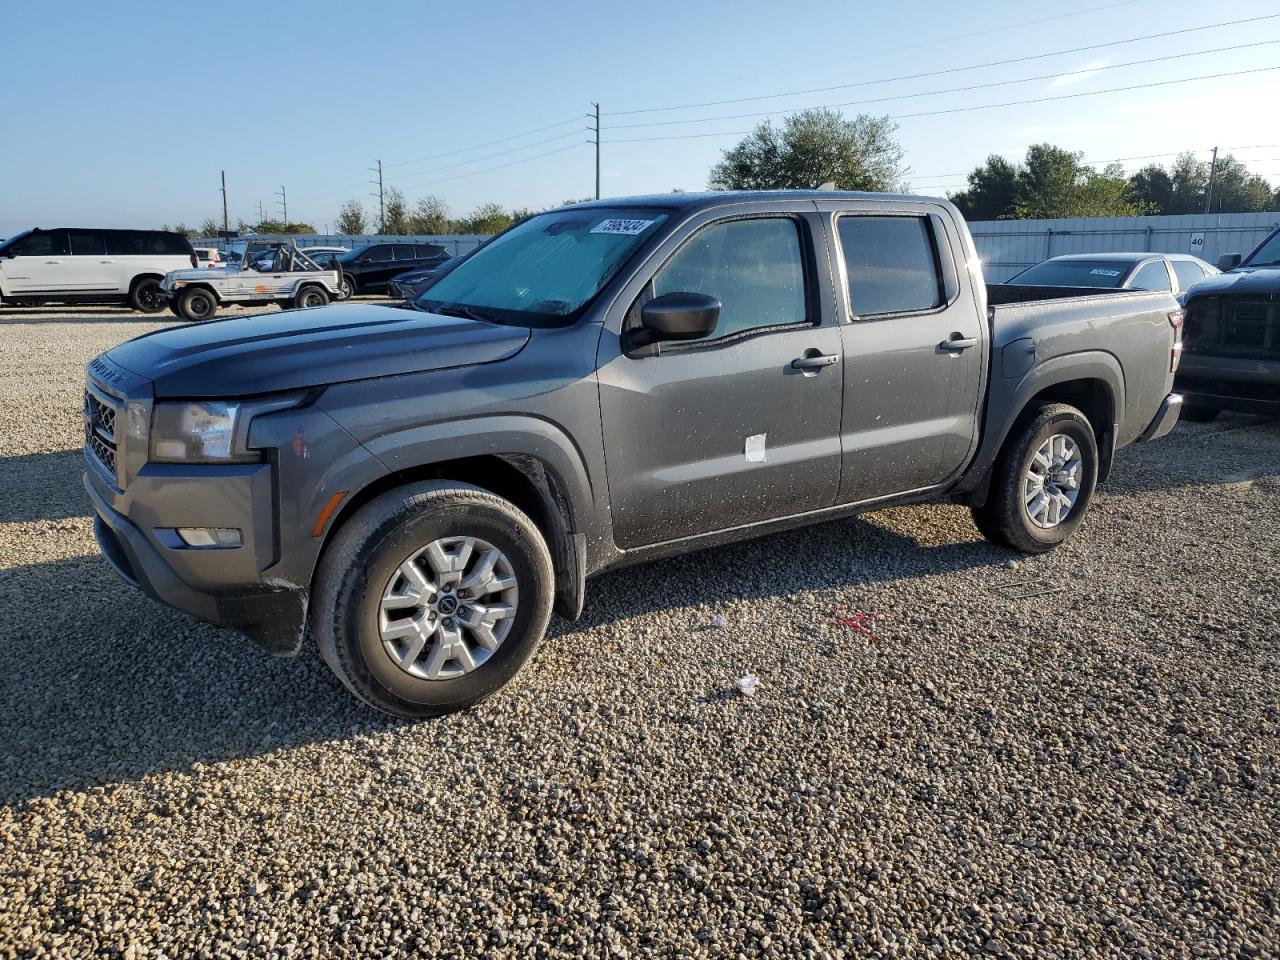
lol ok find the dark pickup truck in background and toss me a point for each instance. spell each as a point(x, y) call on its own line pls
point(601, 385)
point(1231, 354)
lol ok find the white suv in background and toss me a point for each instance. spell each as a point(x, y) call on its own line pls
point(71, 264)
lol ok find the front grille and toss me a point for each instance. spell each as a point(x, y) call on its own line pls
point(100, 429)
point(1241, 327)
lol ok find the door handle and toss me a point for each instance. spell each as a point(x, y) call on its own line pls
point(106, 261)
point(811, 363)
point(47, 262)
point(958, 342)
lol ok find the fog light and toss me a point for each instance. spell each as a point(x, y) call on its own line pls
point(218, 537)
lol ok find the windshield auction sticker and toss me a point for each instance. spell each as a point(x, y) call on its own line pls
point(1104, 273)
point(626, 228)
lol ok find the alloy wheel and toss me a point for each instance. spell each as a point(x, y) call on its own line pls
point(1051, 484)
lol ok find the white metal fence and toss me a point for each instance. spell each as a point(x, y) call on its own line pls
point(1004, 246)
point(1008, 246)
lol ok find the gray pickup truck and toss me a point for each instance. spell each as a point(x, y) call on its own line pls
point(603, 384)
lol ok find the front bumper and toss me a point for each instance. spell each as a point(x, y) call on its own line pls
point(1166, 418)
point(1230, 383)
point(217, 586)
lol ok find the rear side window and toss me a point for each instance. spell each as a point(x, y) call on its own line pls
point(1187, 272)
point(141, 243)
point(407, 251)
point(1151, 276)
point(86, 243)
point(890, 263)
point(755, 268)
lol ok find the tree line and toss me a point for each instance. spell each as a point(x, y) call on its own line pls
point(814, 147)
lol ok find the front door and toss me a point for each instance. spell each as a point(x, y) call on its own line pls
point(915, 346)
point(37, 263)
point(740, 427)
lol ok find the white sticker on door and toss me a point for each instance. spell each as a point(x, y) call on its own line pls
point(755, 448)
point(627, 228)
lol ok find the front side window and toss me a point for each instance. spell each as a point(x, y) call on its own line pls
point(755, 268)
point(890, 264)
point(1151, 276)
point(1267, 255)
point(546, 269)
point(39, 245)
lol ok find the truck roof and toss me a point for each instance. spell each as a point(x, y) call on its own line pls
point(716, 198)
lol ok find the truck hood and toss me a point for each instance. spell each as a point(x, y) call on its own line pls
point(296, 349)
point(1245, 282)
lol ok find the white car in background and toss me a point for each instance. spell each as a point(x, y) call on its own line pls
point(209, 256)
point(88, 265)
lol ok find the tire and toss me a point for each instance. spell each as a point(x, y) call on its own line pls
point(310, 297)
point(1007, 517)
point(196, 304)
point(346, 287)
point(1199, 414)
point(144, 295)
point(366, 561)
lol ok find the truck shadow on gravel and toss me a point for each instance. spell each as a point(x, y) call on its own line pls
point(42, 486)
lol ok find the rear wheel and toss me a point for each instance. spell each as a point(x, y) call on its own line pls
point(144, 295)
point(197, 303)
point(1043, 481)
point(431, 598)
point(309, 297)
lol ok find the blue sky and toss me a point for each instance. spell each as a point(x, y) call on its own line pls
point(123, 114)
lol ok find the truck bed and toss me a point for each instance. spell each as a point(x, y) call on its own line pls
point(999, 294)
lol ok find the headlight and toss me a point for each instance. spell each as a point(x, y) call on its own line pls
point(187, 432)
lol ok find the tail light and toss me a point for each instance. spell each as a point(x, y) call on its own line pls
point(1175, 357)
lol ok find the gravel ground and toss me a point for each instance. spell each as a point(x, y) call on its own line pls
point(1091, 772)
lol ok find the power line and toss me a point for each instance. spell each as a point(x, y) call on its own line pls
point(934, 93)
point(992, 106)
point(488, 143)
point(914, 46)
point(500, 153)
point(950, 70)
point(503, 166)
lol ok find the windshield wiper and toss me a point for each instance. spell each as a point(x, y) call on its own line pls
point(462, 310)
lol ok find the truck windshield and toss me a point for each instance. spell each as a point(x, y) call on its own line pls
point(1073, 273)
point(544, 271)
point(1267, 255)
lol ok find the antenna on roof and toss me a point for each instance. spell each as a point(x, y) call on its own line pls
point(829, 185)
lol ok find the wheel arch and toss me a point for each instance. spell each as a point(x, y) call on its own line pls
point(530, 482)
point(1092, 381)
point(202, 285)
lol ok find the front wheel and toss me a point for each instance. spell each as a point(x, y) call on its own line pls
point(1043, 481)
point(431, 598)
point(197, 304)
point(346, 287)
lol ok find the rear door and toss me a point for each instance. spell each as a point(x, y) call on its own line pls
point(726, 431)
point(90, 269)
point(37, 263)
point(915, 347)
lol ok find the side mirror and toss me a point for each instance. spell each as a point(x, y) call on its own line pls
point(1229, 261)
point(677, 316)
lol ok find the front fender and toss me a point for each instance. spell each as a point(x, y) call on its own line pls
point(501, 435)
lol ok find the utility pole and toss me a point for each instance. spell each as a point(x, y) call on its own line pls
point(597, 142)
point(1213, 170)
point(226, 228)
point(284, 206)
point(382, 213)
point(261, 216)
